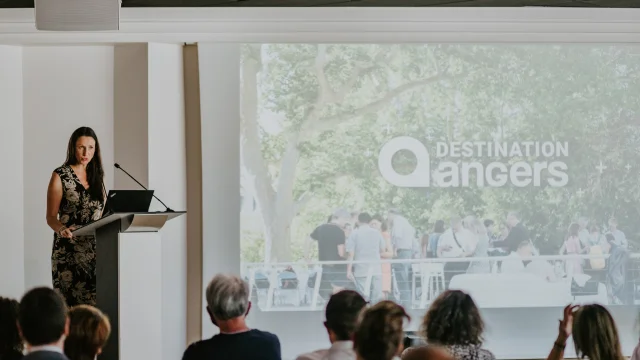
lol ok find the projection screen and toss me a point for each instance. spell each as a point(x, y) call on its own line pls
point(509, 171)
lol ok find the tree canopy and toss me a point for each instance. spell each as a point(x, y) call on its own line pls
point(314, 117)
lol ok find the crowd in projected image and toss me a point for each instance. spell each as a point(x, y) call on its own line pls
point(507, 171)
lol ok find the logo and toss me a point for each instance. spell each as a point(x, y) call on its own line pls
point(460, 164)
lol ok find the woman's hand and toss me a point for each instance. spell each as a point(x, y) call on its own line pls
point(566, 324)
point(67, 232)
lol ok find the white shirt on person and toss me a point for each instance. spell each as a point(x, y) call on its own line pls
point(402, 234)
point(51, 348)
point(466, 240)
point(366, 244)
point(339, 350)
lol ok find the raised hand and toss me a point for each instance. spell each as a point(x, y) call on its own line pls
point(566, 324)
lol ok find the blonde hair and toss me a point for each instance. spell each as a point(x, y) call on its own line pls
point(379, 335)
point(89, 330)
point(595, 335)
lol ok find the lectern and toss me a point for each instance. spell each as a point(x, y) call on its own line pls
point(129, 288)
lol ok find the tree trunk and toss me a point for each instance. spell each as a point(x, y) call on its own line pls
point(251, 150)
point(285, 204)
point(276, 207)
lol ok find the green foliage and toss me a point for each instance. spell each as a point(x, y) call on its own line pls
point(252, 246)
point(586, 95)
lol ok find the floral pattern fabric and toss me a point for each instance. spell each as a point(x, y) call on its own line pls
point(73, 261)
point(462, 352)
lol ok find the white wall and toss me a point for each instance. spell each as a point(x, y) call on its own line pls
point(11, 185)
point(65, 87)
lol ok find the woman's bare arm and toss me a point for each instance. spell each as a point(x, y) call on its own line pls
point(54, 197)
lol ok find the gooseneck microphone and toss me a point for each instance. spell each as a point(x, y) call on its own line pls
point(168, 209)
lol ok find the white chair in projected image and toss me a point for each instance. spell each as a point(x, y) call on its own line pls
point(430, 276)
point(284, 287)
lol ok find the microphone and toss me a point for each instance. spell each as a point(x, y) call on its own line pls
point(168, 209)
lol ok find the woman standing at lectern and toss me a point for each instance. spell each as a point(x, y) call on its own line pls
point(75, 197)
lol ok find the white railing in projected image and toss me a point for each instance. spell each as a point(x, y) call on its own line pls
point(298, 286)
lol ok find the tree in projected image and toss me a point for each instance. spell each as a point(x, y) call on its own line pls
point(314, 118)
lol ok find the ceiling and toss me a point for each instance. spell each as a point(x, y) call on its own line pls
point(356, 3)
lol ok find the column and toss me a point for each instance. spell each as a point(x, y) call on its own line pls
point(149, 137)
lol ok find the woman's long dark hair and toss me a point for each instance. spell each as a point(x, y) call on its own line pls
point(10, 340)
point(95, 172)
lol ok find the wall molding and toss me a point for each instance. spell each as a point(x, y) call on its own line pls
point(343, 25)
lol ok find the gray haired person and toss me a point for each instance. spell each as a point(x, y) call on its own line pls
point(228, 304)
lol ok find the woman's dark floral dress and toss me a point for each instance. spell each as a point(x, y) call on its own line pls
point(73, 261)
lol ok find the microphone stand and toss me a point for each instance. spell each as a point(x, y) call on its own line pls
point(168, 209)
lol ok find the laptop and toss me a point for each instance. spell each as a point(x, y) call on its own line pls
point(119, 201)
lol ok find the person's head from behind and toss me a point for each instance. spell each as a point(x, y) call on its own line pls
point(512, 219)
point(595, 335)
point(379, 334)
point(341, 313)
point(453, 319)
point(42, 318)
point(364, 219)
point(10, 340)
point(610, 239)
point(376, 222)
point(89, 331)
point(227, 299)
point(438, 228)
point(574, 230)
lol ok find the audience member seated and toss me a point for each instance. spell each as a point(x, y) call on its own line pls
point(379, 334)
point(426, 353)
point(89, 330)
point(43, 324)
point(228, 305)
point(594, 334)
point(11, 346)
point(453, 321)
point(341, 315)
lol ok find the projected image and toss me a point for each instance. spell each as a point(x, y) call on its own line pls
point(507, 171)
